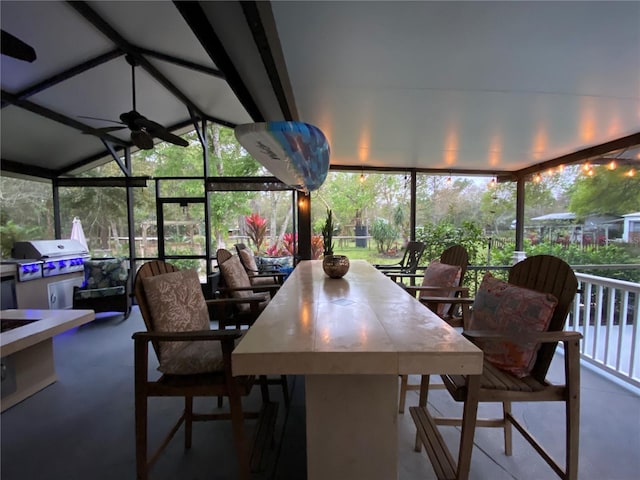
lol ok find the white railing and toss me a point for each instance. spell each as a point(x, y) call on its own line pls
point(606, 312)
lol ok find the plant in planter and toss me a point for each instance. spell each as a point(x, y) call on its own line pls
point(336, 266)
point(327, 234)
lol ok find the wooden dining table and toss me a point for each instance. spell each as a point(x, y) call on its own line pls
point(350, 338)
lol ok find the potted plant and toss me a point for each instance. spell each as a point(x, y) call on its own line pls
point(335, 266)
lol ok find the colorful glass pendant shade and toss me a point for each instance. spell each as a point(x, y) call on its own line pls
point(294, 152)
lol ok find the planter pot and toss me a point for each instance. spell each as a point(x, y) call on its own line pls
point(335, 266)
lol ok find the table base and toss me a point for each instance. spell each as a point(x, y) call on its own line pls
point(352, 428)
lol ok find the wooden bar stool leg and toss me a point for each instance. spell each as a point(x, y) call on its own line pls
point(468, 427)
point(404, 380)
point(422, 402)
point(508, 429)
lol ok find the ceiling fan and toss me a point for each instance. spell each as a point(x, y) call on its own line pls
point(142, 129)
point(12, 46)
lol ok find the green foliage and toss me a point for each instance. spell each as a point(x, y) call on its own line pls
point(384, 234)
point(607, 192)
point(440, 236)
point(576, 255)
point(11, 232)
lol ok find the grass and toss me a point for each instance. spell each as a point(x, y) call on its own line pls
point(369, 253)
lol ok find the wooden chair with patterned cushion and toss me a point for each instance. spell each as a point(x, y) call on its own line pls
point(441, 281)
point(235, 284)
point(194, 360)
point(518, 325)
point(257, 276)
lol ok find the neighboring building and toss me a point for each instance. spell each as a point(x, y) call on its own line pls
point(631, 228)
point(565, 228)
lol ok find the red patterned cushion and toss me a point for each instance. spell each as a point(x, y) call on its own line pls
point(441, 275)
point(505, 308)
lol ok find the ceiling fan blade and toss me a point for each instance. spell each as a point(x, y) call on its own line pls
point(101, 119)
point(157, 130)
point(144, 122)
point(16, 48)
point(99, 131)
point(142, 139)
point(169, 137)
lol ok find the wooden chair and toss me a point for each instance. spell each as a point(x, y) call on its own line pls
point(540, 273)
point(194, 361)
point(235, 284)
point(258, 276)
point(409, 262)
point(438, 299)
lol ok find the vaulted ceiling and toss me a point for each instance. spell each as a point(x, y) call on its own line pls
point(484, 87)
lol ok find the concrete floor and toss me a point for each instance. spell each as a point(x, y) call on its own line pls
point(82, 426)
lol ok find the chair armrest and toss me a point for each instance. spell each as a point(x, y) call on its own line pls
point(398, 275)
point(196, 335)
point(234, 301)
point(537, 337)
point(428, 288)
point(391, 266)
point(268, 275)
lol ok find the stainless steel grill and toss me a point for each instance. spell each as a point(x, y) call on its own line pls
point(54, 257)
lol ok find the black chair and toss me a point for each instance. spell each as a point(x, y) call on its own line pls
point(409, 262)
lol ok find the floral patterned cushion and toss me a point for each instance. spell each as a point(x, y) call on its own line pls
point(236, 276)
point(505, 308)
point(441, 275)
point(105, 273)
point(177, 304)
point(274, 263)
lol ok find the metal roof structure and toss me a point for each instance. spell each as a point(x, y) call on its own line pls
point(500, 88)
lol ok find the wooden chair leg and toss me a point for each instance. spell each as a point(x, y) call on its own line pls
point(422, 402)
point(469, 418)
point(141, 437)
point(404, 379)
point(285, 390)
point(239, 437)
point(188, 421)
point(264, 389)
point(220, 400)
point(572, 406)
point(508, 429)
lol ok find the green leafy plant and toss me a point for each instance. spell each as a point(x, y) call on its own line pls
point(327, 234)
point(384, 234)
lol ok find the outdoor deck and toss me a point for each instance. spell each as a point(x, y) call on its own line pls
point(82, 426)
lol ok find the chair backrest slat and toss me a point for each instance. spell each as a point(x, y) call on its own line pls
point(456, 255)
point(411, 257)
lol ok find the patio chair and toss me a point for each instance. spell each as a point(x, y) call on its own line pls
point(441, 281)
point(193, 360)
point(235, 284)
point(264, 275)
point(409, 262)
point(106, 287)
point(518, 325)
